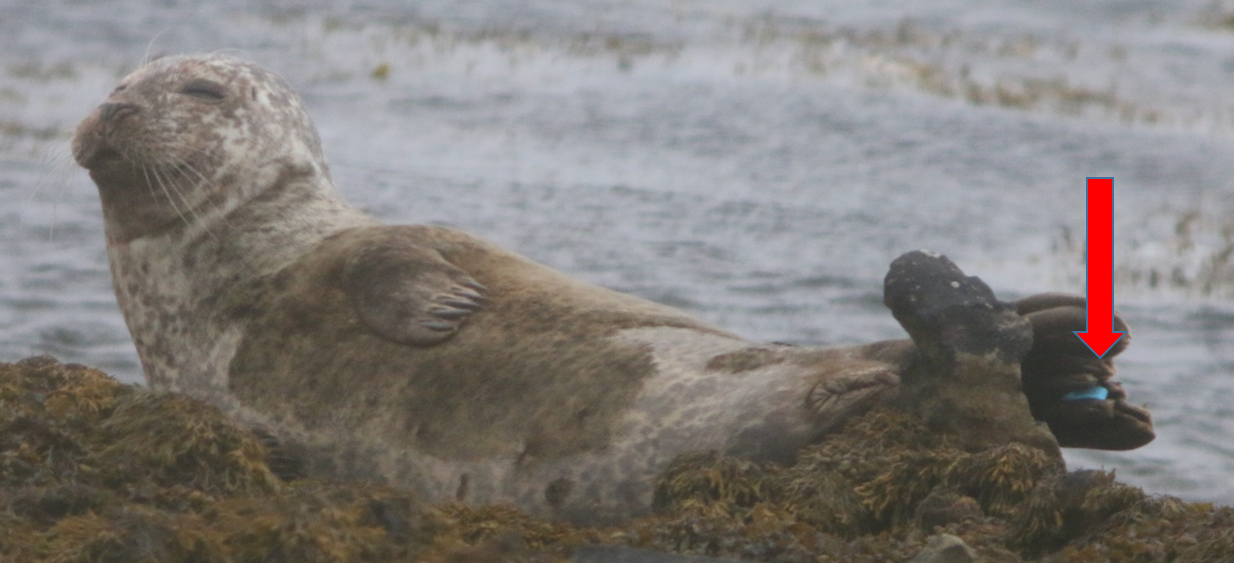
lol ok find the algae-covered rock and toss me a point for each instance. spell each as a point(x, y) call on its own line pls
point(92, 470)
point(95, 471)
point(945, 548)
point(173, 441)
point(50, 412)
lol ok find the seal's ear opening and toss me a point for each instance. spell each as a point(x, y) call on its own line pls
point(966, 381)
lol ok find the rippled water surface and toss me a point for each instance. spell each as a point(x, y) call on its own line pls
point(758, 163)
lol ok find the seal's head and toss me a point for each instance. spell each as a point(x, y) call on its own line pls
point(186, 136)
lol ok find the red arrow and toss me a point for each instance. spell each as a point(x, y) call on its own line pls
point(1100, 335)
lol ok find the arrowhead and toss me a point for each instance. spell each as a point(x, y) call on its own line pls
point(1099, 342)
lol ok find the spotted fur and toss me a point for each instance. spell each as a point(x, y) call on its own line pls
point(202, 163)
point(421, 356)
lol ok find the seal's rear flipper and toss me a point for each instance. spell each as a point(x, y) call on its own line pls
point(946, 312)
point(1070, 388)
point(967, 380)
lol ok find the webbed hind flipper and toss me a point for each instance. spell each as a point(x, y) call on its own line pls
point(1069, 387)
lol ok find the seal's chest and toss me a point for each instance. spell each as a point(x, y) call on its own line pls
point(181, 345)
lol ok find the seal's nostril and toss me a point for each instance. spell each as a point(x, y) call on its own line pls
point(111, 111)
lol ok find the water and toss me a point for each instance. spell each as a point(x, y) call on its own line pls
point(758, 163)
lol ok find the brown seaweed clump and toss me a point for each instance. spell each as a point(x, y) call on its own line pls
point(879, 489)
point(94, 471)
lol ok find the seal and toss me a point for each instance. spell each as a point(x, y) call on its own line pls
point(427, 357)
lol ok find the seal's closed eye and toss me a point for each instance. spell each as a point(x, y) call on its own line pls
point(205, 89)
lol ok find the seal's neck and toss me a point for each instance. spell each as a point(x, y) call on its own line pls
point(263, 229)
point(284, 222)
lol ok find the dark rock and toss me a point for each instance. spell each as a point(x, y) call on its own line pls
point(945, 548)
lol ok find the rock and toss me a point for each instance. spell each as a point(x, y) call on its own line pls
point(621, 554)
point(945, 548)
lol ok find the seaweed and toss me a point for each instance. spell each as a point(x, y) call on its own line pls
point(92, 470)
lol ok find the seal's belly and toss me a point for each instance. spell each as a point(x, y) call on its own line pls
point(561, 397)
point(708, 392)
point(577, 430)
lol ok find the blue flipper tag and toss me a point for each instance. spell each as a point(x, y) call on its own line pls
point(1099, 393)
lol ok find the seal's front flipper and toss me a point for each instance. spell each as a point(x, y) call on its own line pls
point(286, 459)
point(408, 293)
point(966, 381)
point(1073, 390)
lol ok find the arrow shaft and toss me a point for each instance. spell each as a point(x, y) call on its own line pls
point(1100, 254)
